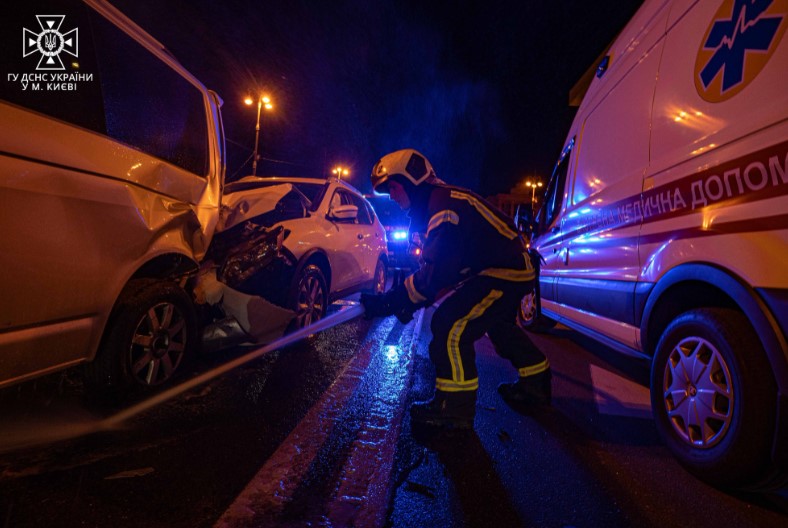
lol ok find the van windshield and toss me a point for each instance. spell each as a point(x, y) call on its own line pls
point(555, 190)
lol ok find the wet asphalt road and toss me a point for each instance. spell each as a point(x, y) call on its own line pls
point(592, 459)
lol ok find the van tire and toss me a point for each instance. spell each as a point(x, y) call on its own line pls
point(146, 308)
point(719, 350)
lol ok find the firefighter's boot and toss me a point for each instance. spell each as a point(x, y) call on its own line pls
point(447, 410)
point(530, 390)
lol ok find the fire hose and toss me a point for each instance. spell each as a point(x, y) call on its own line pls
point(25, 438)
point(345, 314)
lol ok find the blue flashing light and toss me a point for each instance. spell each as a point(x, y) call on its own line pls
point(399, 235)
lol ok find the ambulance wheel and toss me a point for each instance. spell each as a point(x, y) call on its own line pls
point(150, 332)
point(527, 319)
point(713, 396)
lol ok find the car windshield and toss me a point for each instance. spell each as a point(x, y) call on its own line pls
point(313, 191)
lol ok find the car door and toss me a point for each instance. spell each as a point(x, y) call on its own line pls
point(351, 262)
point(369, 238)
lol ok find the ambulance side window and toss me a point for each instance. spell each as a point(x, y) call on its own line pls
point(553, 197)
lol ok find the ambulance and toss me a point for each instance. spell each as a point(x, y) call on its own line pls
point(664, 228)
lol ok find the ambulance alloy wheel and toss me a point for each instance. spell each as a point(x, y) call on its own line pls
point(151, 330)
point(526, 317)
point(713, 397)
point(308, 297)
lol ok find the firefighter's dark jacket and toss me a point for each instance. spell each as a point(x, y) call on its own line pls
point(465, 236)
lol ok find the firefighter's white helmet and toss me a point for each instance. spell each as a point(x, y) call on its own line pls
point(407, 163)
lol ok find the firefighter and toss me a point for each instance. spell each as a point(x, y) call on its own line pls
point(475, 260)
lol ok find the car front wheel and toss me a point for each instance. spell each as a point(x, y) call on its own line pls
point(713, 397)
point(379, 280)
point(309, 296)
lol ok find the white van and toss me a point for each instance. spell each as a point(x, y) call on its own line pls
point(111, 166)
point(664, 227)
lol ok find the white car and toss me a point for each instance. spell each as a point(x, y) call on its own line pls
point(331, 242)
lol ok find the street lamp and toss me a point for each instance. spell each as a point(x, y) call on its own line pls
point(340, 171)
point(262, 101)
point(533, 185)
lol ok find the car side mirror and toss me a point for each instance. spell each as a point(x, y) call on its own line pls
point(343, 212)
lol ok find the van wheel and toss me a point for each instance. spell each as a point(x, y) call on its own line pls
point(151, 330)
point(527, 319)
point(713, 397)
point(308, 297)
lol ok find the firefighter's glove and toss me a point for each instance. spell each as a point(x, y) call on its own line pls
point(400, 304)
point(393, 302)
point(375, 306)
point(404, 315)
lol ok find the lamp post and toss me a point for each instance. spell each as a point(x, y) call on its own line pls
point(533, 185)
point(262, 101)
point(340, 171)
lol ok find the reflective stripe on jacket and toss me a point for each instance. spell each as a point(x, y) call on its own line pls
point(465, 236)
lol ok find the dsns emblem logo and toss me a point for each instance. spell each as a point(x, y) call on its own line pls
point(738, 43)
point(50, 42)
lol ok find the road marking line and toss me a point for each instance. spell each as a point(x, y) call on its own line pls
point(362, 497)
point(273, 486)
point(619, 396)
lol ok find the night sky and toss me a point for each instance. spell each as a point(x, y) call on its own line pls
point(481, 90)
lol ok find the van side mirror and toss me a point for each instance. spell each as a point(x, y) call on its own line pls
point(603, 66)
point(537, 224)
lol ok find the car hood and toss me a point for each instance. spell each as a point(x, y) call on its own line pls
point(244, 205)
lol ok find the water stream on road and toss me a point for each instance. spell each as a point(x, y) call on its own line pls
point(81, 424)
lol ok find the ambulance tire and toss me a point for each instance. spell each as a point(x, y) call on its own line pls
point(527, 319)
point(718, 348)
point(151, 332)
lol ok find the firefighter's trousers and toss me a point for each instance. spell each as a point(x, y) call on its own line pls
point(480, 305)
